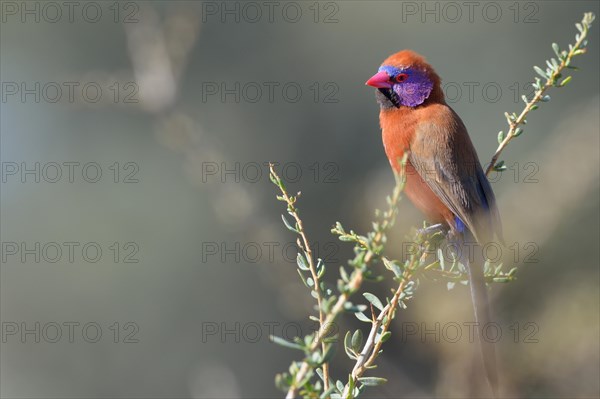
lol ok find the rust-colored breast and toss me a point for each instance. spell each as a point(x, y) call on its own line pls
point(398, 129)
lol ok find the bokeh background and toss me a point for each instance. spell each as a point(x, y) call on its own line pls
point(181, 193)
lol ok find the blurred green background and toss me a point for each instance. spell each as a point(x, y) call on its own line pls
point(184, 191)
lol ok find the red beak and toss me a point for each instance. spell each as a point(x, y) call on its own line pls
point(381, 80)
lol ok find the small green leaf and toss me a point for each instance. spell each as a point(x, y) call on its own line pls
point(361, 316)
point(565, 81)
point(287, 344)
point(328, 393)
point(320, 268)
point(374, 300)
point(348, 345)
point(341, 286)
point(288, 225)
point(273, 179)
point(303, 278)
point(357, 341)
point(301, 261)
point(556, 49)
point(344, 274)
point(393, 267)
point(351, 385)
point(348, 339)
point(518, 132)
point(540, 71)
point(372, 381)
point(499, 167)
point(385, 336)
point(349, 307)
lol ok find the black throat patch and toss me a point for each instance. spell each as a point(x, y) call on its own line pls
point(387, 98)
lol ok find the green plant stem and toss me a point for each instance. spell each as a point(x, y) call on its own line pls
point(551, 81)
point(353, 285)
point(336, 310)
point(293, 211)
point(372, 347)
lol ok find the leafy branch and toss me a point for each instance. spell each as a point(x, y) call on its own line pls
point(380, 325)
point(553, 75)
point(455, 273)
point(367, 251)
point(306, 262)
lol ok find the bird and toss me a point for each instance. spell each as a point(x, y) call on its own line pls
point(443, 176)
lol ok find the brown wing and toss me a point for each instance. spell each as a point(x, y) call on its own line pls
point(451, 169)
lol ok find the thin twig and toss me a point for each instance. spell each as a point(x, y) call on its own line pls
point(551, 81)
point(353, 285)
point(305, 245)
point(372, 347)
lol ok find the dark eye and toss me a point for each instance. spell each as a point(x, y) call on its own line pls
point(401, 77)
